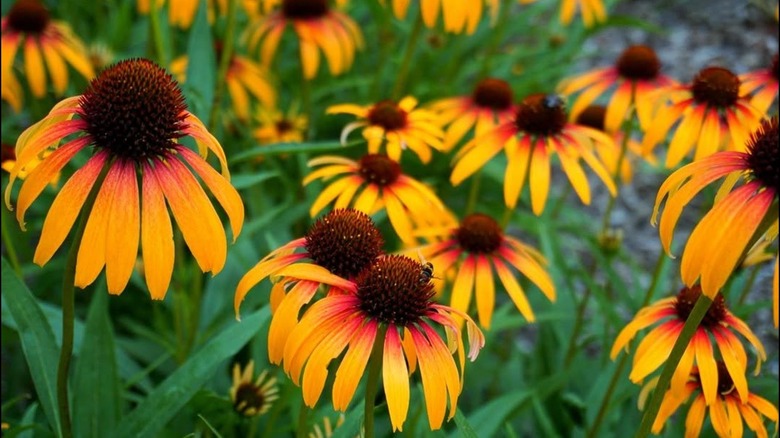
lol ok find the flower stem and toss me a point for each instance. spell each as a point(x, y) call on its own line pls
point(374, 368)
point(605, 222)
point(497, 35)
point(303, 425)
point(68, 310)
point(8, 244)
point(411, 44)
point(473, 193)
point(748, 285)
point(594, 428)
point(156, 31)
point(224, 63)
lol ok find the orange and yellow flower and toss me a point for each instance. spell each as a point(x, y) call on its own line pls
point(538, 130)
point(244, 78)
point(275, 127)
point(29, 25)
point(670, 315)
point(724, 234)
point(390, 305)
point(395, 125)
point(318, 28)
point(457, 16)
point(477, 247)
point(382, 185)
point(727, 410)
point(762, 85)
point(131, 116)
point(633, 80)
point(488, 105)
point(712, 116)
point(181, 13)
point(251, 398)
point(593, 11)
point(11, 90)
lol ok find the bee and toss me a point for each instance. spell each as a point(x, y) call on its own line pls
point(552, 101)
point(426, 273)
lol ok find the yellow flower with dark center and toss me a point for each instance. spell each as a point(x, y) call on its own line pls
point(131, 116)
point(251, 398)
point(276, 127)
point(395, 125)
point(244, 78)
point(763, 85)
point(391, 297)
point(181, 13)
point(488, 105)
point(318, 28)
point(11, 90)
point(457, 16)
point(382, 185)
point(475, 249)
point(726, 412)
point(633, 80)
point(712, 116)
point(593, 11)
point(594, 117)
point(670, 315)
point(29, 25)
point(336, 248)
point(721, 238)
point(538, 130)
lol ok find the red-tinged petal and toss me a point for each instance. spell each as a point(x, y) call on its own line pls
point(434, 384)
point(307, 271)
point(353, 365)
point(395, 377)
point(156, 236)
point(642, 320)
point(227, 196)
point(654, 350)
point(123, 229)
point(203, 138)
point(286, 317)
point(260, 271)
point(66, 206)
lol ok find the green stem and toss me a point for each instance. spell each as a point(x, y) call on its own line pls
point(628, 127)
point(496, 37)
point(68, 309)
point(372, 385)
point(303, 425)
point(748, 285)
point(506, 217)
point(8, 244)
point(224, 63)
point(688, 330)
point(307, 106)
point(473, 193)
point(594, 428)
point(559, 203)
point(156, 31)
point(411, 44)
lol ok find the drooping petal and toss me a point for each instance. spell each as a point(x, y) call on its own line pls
point(353, 365)
point(156, 236)
point(123, 229)
point(395, 377)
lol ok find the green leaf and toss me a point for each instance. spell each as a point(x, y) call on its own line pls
point(464, 427)
point(201, 65)
point(243, 181)
point(493, 414)
point(353, 423)
point(149, 418)
point(40, 349)
point(287, 148)
point(96, 377)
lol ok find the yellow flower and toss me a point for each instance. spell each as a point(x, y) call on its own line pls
point(390, 305)
point(244, 77)
point(318, 28)
point(670, 315)
point(457, 16)
point(9, 162)
point(474, 249)
point(762, 84)
point(712, 116)
point(633, 80)
point(251, 398)
point(593, 11)
point(727, 410)
point(181, 13)
point(382, 185)
point(395, 125)
point(722, 236)
point(28, 24)
point(275, 127)
point(538, 130)
point(11, 90)
point(132, 116)
point(488, 105)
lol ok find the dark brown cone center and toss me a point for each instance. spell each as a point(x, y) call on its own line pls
point(344, 241)
point(686, 299)
point(388, 115)
point(763, 157)
point(479, 233)
point(593, 117)
point(379, 169)
point(248, 397)
point(134, 109)
point(394, 290)
point(716, 86)
point(283, 126)
point(493, 93)
point(638, 63)
point(304, 9)
point(541, 114)
point(28, 16)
